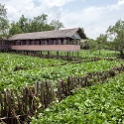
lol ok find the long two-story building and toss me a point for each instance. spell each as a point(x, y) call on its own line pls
point(56, 40)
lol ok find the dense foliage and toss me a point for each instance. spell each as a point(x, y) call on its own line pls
point(116, 34)
point(3, 20)
point(25, 25)
point(18, 71)
point(94, 105)
point(39, 23)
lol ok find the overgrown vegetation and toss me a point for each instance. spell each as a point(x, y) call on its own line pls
point(18, 71)
point(26, 25)
point(116, 34)
point(39, 23)
point(4, 24)
point(95, 104)
point(92, 105)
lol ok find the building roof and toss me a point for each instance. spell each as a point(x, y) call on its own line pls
point(65, 33)
point(3, 38)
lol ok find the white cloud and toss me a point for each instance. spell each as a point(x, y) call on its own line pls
point(120, 2)
point(95, 20)
point(29, 8)
point(16, 8)
point(52, 3)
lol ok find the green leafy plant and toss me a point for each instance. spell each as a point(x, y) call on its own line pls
point(97, 105)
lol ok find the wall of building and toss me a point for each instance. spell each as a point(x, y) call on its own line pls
point(4, 45)
point(46, 47)
point(60, 44)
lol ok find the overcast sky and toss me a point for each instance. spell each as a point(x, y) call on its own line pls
point(93, 15)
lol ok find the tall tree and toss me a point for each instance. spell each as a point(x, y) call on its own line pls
point(101, 41)
point(92, 44)
point(38, 23)
point(23, 24)
point(116, 34)
point(14, 29)
point(56, 24)
point(4, 24)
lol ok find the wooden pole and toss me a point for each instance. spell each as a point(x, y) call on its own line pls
point(57, 54)
point(78, 54)
point(48, 53)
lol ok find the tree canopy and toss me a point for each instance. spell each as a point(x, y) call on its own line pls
point(26, 25)
point(56, 24)
point(38, 23)
point(15, 29)
point(4, 24)
point(116, 34)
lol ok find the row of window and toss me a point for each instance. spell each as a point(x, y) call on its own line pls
point(4, 42)
point(50, 42)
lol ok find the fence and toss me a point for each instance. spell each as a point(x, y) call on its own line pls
point(18, 107)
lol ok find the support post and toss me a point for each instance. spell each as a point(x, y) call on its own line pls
point(57, 54)
point(48, 53)
point(78, 54)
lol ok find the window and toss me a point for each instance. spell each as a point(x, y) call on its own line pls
point(24, 42)
point(64, 41)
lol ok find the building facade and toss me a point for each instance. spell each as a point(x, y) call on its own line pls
point(57, 40)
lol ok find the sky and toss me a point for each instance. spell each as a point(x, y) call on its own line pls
point(95, 16)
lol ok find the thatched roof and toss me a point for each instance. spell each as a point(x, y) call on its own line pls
point(66, 33)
